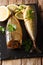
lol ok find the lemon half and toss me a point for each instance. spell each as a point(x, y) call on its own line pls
point(19, 15)
point(12, 7)
point(4, 13)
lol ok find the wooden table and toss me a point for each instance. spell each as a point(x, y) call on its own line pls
point(30, 61)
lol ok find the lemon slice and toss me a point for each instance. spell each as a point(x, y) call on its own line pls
point(13, 7)
point(4, 13)
point(19, 15)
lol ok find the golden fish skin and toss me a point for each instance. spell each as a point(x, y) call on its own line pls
point(31, 24)
point(14, 39)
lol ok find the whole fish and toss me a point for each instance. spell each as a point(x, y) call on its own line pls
point(14, 38)
point(30, 21)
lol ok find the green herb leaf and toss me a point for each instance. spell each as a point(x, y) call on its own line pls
point(2, 29)
point(22, 7)
point(30, 14)
point(27, 45)
point(11, 27)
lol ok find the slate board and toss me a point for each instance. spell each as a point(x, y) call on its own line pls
point(21, 53)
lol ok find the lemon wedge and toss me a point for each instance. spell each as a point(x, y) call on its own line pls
point(19, 15)
point(4, 13)
point(12, 7)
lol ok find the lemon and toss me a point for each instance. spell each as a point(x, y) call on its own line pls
point(22, 7)
point(4, 13)
point(13, 7)
point(19, 15)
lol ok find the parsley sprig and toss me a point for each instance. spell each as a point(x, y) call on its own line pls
point(21, 7)
point(2, 29)
point(30, 14)
point(27, 45)
point(11, 27)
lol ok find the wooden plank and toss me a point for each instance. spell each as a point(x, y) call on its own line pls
point(0, 62)
point(26, 1)
point(6, 2)
point(31, 61)
point(40, 4)
point(30, 1)
point(42, 60)
point(15, 1)
point(19, 1)
point(12, 1)
point(3, 2)
point(22, 1)
point(11, 62)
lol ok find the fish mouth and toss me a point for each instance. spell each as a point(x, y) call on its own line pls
point(13, 44)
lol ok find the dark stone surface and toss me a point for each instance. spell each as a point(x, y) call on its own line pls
point(20, 53)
